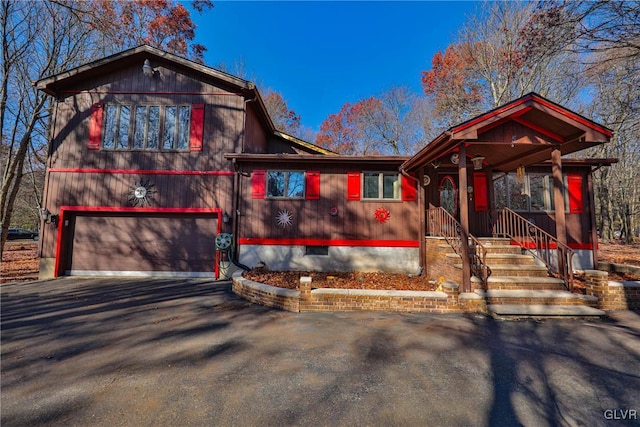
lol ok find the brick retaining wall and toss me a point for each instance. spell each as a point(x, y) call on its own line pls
point(612, 295)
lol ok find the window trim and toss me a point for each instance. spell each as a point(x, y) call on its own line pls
point(548, 193)
point(286, 181)
point(162, 121)
point(381, 175)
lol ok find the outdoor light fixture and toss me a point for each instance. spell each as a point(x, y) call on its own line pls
point(477, 162)
point(148, 70)
point(225, 217)
point(48, 217)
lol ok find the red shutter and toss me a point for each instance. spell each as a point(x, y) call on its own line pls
point(576, 204)
point(408, 189)
point(95, 127)
point(353, 185)
point(197, 126)
point(258, 181)
point(313, 185)
point(480, 198)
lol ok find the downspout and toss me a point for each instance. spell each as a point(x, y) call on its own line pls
point(236, 180)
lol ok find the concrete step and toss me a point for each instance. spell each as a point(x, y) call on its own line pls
point(505, 258)
point(519, 310)
point(525, 283)
point(514, 270)
point(502, 249)
point(486, 241)
point(535, 297)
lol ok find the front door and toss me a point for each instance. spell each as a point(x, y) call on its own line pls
point(448, 190)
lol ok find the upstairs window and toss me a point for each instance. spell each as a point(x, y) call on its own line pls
point(148, 127)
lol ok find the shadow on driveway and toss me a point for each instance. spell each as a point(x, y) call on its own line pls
point(189, 352)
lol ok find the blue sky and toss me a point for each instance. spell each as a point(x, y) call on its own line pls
point(320, 55)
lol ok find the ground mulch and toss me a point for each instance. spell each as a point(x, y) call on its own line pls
point(20, 262)
point(342, 280)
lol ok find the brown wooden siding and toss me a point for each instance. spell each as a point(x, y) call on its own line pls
point(312, 219)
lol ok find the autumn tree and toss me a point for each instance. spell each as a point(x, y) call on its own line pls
point(285, 120)
point(386, 124)
point(42, 38)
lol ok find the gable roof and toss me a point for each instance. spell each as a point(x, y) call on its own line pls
point(554, 126)
point(55, 85)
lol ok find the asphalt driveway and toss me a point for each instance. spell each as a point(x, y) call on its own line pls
point(120, 352)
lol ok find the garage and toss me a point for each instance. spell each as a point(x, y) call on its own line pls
point(152, 244)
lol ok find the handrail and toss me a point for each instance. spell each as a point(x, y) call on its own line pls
point(443, 224)
point(538, 242)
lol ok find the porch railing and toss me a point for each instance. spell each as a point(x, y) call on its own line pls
point(443, 224)
point(538, 242)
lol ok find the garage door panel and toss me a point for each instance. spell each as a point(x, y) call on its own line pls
point(143, 243)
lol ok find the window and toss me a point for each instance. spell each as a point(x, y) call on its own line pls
point(316, 250)
point(147, 127)
point(381, 185)
point(533, 193)
point(285, 184)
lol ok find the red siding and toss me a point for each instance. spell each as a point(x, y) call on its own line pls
point(258, 184)
point(95, 127)
point(197, 125)
point(313, 185)
point(353, 185)
point(408, 189)
point(480, 196)
point(576, 198)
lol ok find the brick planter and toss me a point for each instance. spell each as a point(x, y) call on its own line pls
point(328, 299)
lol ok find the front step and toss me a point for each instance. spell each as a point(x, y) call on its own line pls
point(515, 270)
point(527, 310)
point(537, 297)
point(525, 283)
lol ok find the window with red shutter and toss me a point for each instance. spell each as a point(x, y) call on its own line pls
point(258, 184)
point(197, 127)
point(576, 201)
point(353, 186)
point(480, 196)
point(313, 185)
point(95, 127)
point(409, 192)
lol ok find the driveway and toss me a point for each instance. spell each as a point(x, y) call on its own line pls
point(120, 352)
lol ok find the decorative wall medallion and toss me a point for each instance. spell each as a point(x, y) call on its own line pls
point(333, 211)
point(382, 215)
point(455, 158)
point(284, 219)
point(140, 194)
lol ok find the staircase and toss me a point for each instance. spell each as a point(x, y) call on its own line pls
point(520, 287)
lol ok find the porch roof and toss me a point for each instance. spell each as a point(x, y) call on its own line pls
point(520, 133)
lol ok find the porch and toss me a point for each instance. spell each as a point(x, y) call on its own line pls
point(504, 174)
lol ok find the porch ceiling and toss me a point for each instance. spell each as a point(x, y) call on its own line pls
point(520, 133)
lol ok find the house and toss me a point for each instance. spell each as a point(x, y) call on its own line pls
point(153, 157)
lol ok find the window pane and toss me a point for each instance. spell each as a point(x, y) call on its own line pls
point(153, 131)
point(275, 184)
point(184, 114)
point(536, 190)
point(169, 135)
point(109, 141)
point(500, 191)
point(295, 184)
point(123, 127)
point(517, 194)
point(138, 129)
point(390, 187)
point(371, 186)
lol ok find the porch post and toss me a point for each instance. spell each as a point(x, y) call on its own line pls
point(464, 218)
point(592, 214)
point(558, 195)
point(423, 229)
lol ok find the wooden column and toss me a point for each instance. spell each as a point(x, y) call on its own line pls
point(592, 214)
point(558, 195)
point(464, 218)
point(423, 229)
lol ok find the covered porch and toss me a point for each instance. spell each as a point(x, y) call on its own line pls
point(503, 174)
